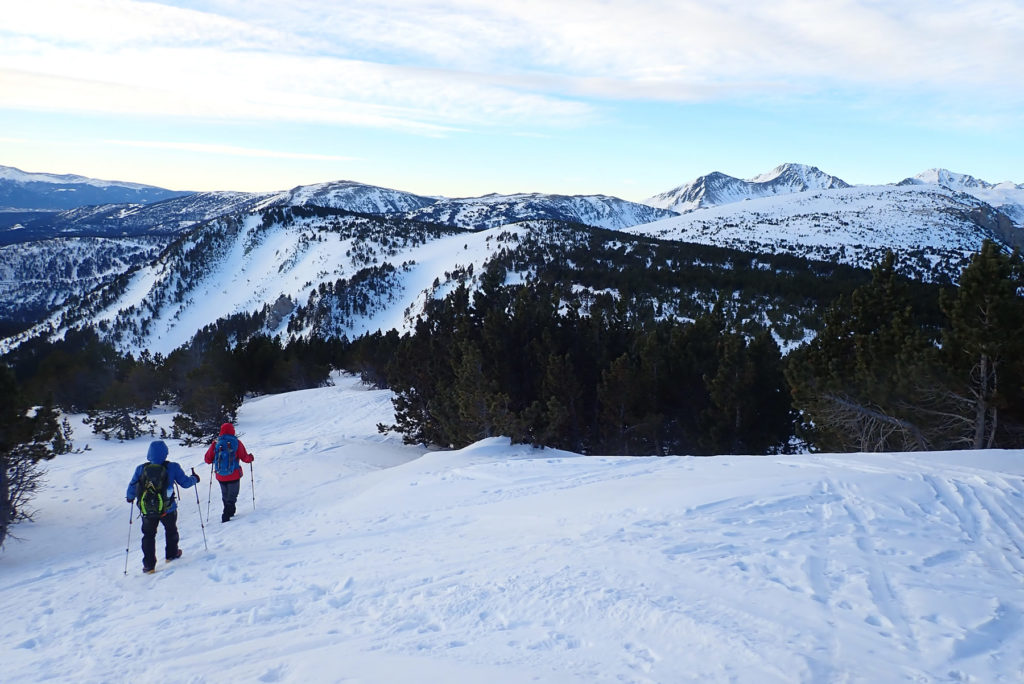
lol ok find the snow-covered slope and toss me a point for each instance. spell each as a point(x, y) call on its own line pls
point(1008, 197)
point(491, 211)
point(277, 258)
point(22, 190)
point(932, 228)
point(717, 188)
point(64, 255)
point(356, 558)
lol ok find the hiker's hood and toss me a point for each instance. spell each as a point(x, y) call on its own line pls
point(157, 452)
point(227, 429)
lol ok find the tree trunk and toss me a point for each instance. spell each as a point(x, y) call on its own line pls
point(5, 501)
point(981, 408)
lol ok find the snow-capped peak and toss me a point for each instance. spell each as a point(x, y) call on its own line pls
point(715, 189)
point(950, 179)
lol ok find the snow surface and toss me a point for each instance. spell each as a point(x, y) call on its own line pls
point(366, 560)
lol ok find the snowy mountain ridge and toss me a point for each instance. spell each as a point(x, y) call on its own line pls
point(491, 211)
point(932, 228)
point(717, 188)
point(351, 196)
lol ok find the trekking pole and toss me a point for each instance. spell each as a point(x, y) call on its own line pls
point(200, 507)
point(209, 495)
point(252, 481)
point(131, 518)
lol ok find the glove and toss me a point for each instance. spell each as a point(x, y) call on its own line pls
point(195, 476)
point(129, 500)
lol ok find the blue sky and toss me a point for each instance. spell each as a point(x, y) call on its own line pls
point(465, 97)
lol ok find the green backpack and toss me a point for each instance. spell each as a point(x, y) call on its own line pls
point(151, 490)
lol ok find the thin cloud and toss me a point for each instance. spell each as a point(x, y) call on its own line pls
point(230, 150)
point(435, 67)
point(680, 44)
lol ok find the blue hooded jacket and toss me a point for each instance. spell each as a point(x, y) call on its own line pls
point(158, 454)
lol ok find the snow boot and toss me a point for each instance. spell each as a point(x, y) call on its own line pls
point(175, 557)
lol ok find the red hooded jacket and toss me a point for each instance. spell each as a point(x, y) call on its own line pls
point(243, 455)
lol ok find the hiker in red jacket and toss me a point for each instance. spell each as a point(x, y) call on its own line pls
point(225, 454)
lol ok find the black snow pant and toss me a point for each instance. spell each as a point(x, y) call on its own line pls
point(149, 527)
point(229, 493)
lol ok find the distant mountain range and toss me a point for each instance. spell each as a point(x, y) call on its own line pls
point(50, 192)
point(167, 218)
point(171, 217)
point(151, 273)
point(716, 189)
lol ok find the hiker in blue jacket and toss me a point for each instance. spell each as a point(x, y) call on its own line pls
point(153, 486)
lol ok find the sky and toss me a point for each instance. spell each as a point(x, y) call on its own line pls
point(465, 97)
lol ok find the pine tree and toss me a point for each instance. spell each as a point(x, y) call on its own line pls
point(120, 423)
point(563, 405)
point(615, 396)
point(983, 346)
point(858, 383)
point(750, 407)
point(482, 411)
point(28, 435)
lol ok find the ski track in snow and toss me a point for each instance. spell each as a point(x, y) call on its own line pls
point(366, 560)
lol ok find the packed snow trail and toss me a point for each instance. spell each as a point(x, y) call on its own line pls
point(370, 561)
